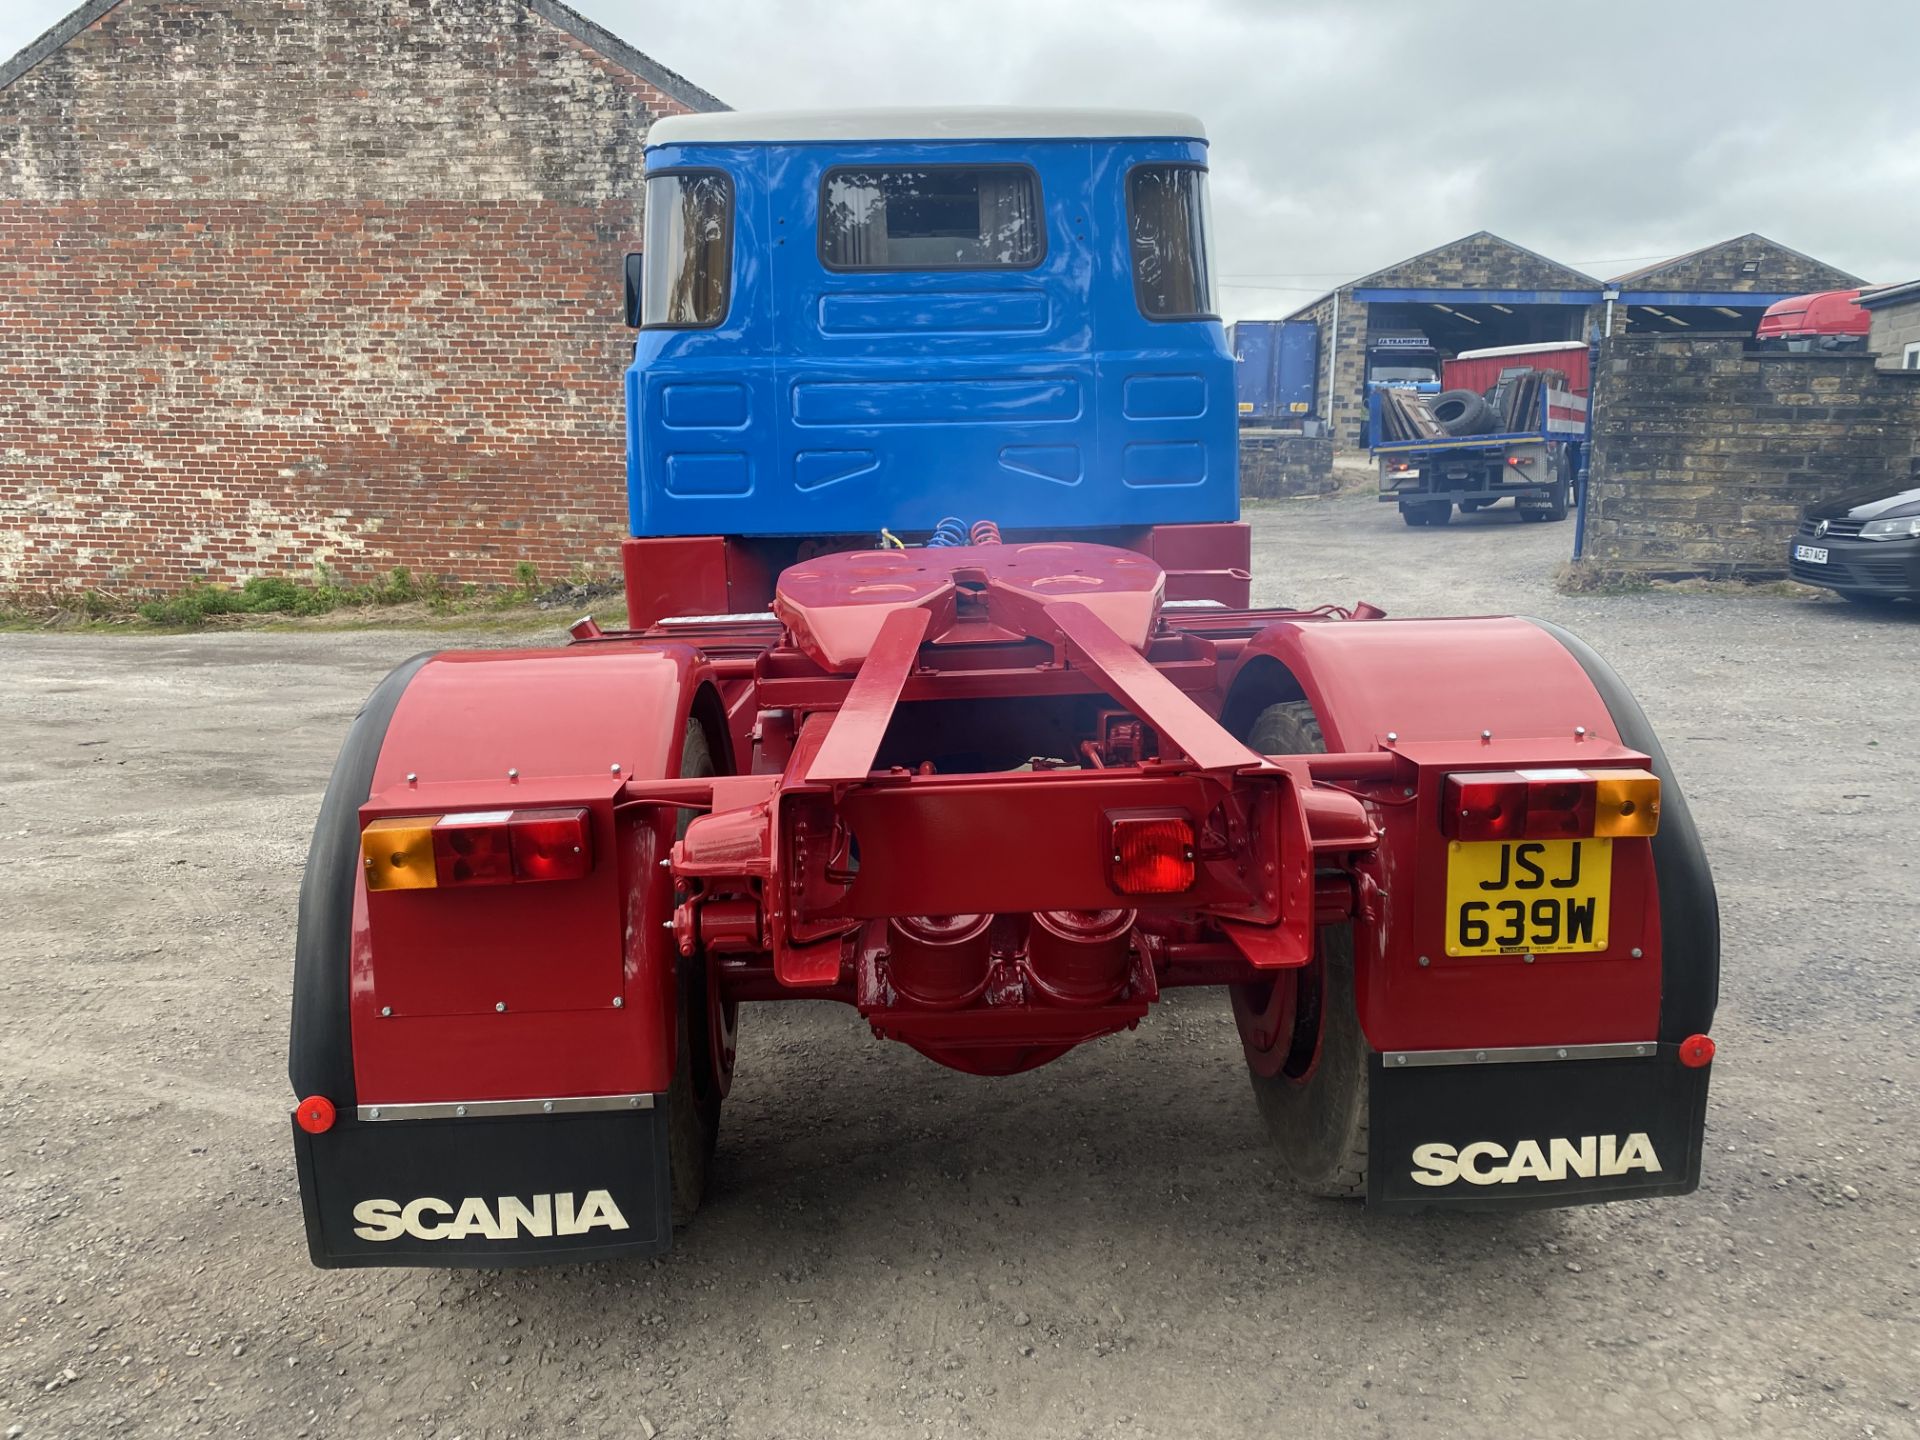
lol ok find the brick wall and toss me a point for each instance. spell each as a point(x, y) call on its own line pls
point(325, 282)
point(1703, 453)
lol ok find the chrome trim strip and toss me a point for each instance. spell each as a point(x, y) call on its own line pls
point(479, 1109)
point(1625, 1050)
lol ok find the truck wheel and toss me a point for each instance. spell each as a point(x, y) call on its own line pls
point(1561, 501)
point(703, 1050)
point(1427, 512)
point(1306, 1055)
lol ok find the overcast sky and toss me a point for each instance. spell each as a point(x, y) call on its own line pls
point(1348, 136)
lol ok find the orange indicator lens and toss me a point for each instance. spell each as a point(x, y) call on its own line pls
point(398, 853)
point(1628, 803)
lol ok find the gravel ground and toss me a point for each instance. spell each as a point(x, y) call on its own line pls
point(1095, 1249)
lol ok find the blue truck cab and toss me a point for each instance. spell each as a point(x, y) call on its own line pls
point(855, 320)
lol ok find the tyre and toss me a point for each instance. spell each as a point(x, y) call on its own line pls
point(320, 1038)
point(703, 1057)
point(1462, 412)
point(1306, 1056)
point(1429, 512)
point(1561, 500)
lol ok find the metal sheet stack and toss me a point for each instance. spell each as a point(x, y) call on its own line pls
point(1404, 416)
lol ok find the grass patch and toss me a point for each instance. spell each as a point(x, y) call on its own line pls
point(396, 598)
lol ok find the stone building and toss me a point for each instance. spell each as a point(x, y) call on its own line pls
point(1482, 291)
point(1894, 340)
point(1723, 288)
point(288, 282)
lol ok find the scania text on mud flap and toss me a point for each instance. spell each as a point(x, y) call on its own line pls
point(994, 780)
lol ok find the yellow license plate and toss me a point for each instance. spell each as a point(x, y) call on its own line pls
point(1505, 897)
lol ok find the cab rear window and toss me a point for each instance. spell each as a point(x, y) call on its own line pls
point(931, 217)
point(1171, 228)
point(688, 269)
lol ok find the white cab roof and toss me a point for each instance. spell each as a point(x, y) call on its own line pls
point(976, 122)
point(1541, 349)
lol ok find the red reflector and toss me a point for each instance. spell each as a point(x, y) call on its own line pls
point(1696, 1051)
point(1519, 805)
point(472, 849)
point(551, 844)
point(314, 1114)
point(1152, 854)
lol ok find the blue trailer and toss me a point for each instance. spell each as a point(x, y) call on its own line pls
point(1277, 365)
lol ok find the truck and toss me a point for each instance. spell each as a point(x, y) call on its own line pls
point(1402, 360)
point(1510, 422)
point(941, 695)
point(1277, 369)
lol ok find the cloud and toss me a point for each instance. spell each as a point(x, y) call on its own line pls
point(1348, 136)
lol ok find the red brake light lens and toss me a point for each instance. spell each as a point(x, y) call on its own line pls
point(551, 844)
point(472, 849)
point(1560, 809)
point(1486, 807)
point(1520, 805)
point(1152, 854)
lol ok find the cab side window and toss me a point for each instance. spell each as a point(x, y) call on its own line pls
point(688, 269)
point(1171, 229)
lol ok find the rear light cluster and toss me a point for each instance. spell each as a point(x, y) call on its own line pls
point(1152, 854)
point(486, 847)
point(1551, 804)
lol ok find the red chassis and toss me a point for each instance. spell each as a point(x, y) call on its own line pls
point(996, 797)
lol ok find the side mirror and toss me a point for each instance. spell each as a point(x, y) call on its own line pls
point(633, 289)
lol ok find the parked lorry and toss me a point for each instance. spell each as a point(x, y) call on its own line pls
point(1509, 423)
point(995, 783)
point(1402, 360)
point(1276, 370)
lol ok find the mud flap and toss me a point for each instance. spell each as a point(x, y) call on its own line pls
point(486, 1192)
point(1533, 1133)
